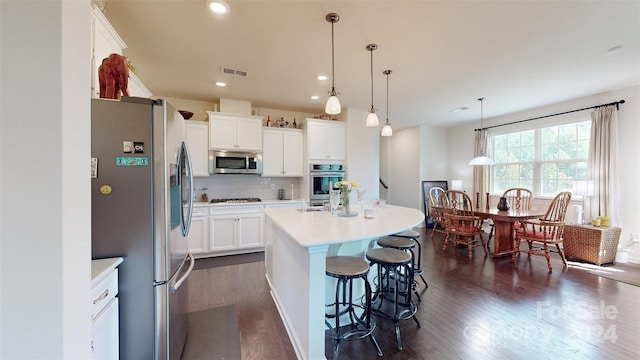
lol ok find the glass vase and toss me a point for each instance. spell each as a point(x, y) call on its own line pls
point(345, 202)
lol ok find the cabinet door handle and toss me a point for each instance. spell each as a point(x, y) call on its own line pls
point(101, 297)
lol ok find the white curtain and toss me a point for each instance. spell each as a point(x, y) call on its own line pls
point(480, 173)
point(603, 165)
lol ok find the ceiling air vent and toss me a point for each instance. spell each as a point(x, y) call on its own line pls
point(232, 71)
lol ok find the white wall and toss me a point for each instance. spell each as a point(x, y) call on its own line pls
point(434, 163)
point(461, 138)
point(404, 178)
point(409, 157)
point(363, 146)
point(45, 138)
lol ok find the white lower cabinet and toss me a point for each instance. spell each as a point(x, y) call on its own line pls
point(198, 237)
point(226, 230)
point(236, 228)
point(104, 333)
point(104, 309)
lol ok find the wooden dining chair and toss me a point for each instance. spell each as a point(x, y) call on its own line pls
point(540, 233)
point(437, 215)
point(519, 199)
point(462, 227)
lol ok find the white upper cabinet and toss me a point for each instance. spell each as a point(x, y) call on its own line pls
point(326, 140)
point(282, 154)
point(197, 138)
point(234, 132)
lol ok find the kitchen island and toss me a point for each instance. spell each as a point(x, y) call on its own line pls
point(297, 244)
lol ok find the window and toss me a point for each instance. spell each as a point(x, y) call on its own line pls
point(546, 160)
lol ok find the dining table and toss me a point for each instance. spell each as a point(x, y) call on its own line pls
point(503, 226)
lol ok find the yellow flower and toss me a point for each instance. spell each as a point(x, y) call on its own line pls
point(346, 185)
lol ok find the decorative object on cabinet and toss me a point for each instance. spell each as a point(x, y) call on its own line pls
point(186, 114)
point(372, 118)
point(105, 40)
point(386, 129)
point(113, 75)
point(333, 103)
point(481, 158)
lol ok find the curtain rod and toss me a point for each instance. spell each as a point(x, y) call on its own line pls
point(616, 103)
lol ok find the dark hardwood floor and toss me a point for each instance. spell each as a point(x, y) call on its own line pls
point(483, 308)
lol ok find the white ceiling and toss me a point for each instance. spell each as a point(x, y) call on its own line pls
point(444, 54)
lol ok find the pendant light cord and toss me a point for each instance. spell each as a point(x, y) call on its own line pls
point(481, 111)
point(481, 122)
point(388, 97)
point(333, 66)
point(372, 109)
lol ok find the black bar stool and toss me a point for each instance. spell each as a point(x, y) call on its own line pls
point(346, 269)
point(415, 236)
point(392, 297)
point(404, 244)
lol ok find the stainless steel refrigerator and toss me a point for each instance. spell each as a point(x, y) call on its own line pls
point(141, 205)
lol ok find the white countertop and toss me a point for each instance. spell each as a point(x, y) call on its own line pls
point(101, 267)
point(320, 228)
point(263, 202)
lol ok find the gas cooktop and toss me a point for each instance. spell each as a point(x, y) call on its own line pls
point(235, 201)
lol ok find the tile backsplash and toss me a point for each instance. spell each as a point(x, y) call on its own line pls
point(244, 186)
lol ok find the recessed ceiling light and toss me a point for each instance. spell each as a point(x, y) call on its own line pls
point(315, 97)
point(614, 49)
point(322, 77)
point(219, 7)
point(463, 108)
point(221, 84)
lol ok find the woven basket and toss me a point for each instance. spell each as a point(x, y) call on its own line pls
point(597, 245)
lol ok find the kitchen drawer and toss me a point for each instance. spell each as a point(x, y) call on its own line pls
point(200, 211)
point(103, 292)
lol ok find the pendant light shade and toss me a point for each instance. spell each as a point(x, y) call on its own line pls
point(481, 159)
point(372, 118)
point(386, 129)
point(333, 104)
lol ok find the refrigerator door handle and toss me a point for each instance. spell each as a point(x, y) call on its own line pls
point(184, 159)
point(184, 277)
point(191, 197)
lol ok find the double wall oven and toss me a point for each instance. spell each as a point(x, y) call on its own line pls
point(321, 178)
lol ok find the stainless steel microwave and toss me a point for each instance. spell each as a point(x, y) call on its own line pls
point(236, 162)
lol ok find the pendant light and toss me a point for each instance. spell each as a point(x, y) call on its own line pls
point(481, 159)
point(386, 129)
point(372, 118)
point(333, 104)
